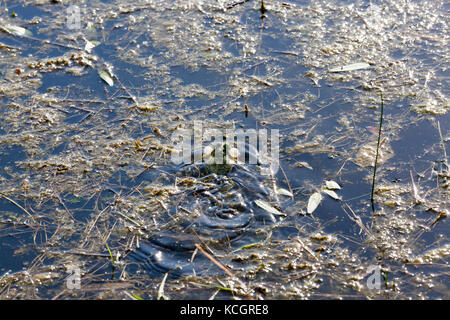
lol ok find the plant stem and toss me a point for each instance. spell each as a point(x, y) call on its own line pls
point(376, 156)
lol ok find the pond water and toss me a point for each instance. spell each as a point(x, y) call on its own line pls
point(92, 94)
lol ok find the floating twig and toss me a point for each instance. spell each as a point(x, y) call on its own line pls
point(442, 144)
point(127, 91)
point(234, 4)
point(356, 219)
point(18, 205)
point(289, 53)
point(378, 148)
point(307, 249)
point(287, 181)
point(79, 253)
point(7, 46)
point(217, 263)
point(43, 42)
point(414, 190)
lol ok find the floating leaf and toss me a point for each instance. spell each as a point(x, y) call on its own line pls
point(104, 74)
point(331, 185)
point(332, 194)
point(90, 44)
point(351, 67)
point(284, 192)
point(314, 202)
point(18, 31)
point(264, 205)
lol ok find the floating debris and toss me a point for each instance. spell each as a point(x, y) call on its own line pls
point(106, 76)
point(314, 201)
point(284, 192)
point(366, 154)
point(71, 147)
point(332, 185)
point(90, 44)
point(351, 67)
point(332, 194)
point(264, 205)
point(16, 30)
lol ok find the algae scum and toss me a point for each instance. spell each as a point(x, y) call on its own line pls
point(91, 205)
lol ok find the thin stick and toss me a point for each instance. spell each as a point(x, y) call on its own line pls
point(442, 143)
point(289, 53)
point(287, 181)
point(356, 219)
point(18, 205)
point(232, 5)
point(2, 46)
point(89, 229)
point(43, 42)
point(306, 249)
point(376, 156)
point(65, 207)
point(80, 253)
point(217, 263)
point(161, 295)
point(127, 91)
